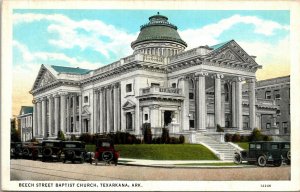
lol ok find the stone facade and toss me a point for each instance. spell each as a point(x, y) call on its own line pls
point(160, 84)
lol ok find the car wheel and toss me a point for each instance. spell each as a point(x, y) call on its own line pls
point(277, 163)
point(288, 155)
point(262, 161)
point(237, 159)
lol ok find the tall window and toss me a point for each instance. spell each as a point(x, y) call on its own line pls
point(191, 95)
point(146, 117)
point(268, 125)
point(128, 121)
point(268, 95)
point(86, 99)
point(129, 88)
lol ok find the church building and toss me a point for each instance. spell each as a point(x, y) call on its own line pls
point(161, 84)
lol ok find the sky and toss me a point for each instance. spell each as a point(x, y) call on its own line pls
point(93, 38)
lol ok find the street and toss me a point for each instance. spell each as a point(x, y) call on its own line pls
point(57, 171)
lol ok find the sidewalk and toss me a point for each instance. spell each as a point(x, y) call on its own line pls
point(178, 163)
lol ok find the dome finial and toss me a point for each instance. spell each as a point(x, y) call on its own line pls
point(158, 13)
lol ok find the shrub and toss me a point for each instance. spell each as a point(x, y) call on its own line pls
point(174, 140)
point(228, 137)
point(219, 128)
point(256, 135)
point(138, 141)
point(60, 136)
point(236, 137)
point(165, 136)
point(181, 139)
point(87, 138)
point(267, 138)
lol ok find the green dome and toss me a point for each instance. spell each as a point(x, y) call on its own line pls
point(158, 28)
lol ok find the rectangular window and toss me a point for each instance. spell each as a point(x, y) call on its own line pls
point(274, 146)
point(268, 95)
point(146, 117)
point(252, 146)
point(129, 88)
point(192, 123)
point(173, 85)
point(191, 95)
point(154, 84)
point(268, 125)
point(245, 125)
point(258, 146)
point(86, 99)
point(285, 127)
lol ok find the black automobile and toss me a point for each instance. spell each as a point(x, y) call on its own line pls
point(73, 151)
point(51, 150)
point(16, 150)
point(262, 153)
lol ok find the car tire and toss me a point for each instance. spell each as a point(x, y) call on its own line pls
point(47, 152)
point(25, 152)
point(237, 159)
point(262, 161)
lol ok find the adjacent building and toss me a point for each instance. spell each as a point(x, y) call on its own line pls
point(25, 123)
point(160, 83)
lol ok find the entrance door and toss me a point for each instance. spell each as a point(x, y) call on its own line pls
point(167, 117)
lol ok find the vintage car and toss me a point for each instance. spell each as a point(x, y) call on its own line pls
point(16, 150)
point(105, 152)
point(264, 152)
point(51, 150)
point(73, 151)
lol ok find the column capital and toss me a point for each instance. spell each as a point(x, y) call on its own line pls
point(116, 85)
point(56, 95)
point(34, 101)
point(217, 76)
point(49, 97)
point(238, 79)
point(251, 80)
point(63, 93)
point(201, 74)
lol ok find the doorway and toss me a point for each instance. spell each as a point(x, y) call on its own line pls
point(167, 117)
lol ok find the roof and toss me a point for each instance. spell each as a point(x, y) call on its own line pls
point(73, 70)
point(217, 46)
point(158, 28)
point(26, 110)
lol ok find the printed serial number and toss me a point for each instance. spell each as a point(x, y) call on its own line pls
point(265, 185)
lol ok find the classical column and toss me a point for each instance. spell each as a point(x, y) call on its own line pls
point(74, 113)
point(218, 99)
point(238, 103)
point(101, 111)
point(201, 101)
point(34, 120)
point(68, 115)
point(162, 118)
point(184, 85)
point(223, 116)
point(79, 113)
point(63, 112)
point(252, 111)
point(233, 107)
point(56, 114)
point(116, 107)
point(104, 109)
point(96, 111)
point(39, 117)
point(108, 109)
point(50, 122)
point(44, 117)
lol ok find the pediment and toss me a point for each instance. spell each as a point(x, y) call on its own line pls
point(128, 105)
point(85, 111)
point(44, 78)
point(232, 51)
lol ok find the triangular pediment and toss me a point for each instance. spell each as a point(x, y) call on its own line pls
point(43, 78)
point(232, 51)
point(128, 105)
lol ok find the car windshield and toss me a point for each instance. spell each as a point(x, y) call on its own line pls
point(286, 146)
point(274, 146)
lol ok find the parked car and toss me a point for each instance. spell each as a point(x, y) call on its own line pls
point(73, 151)
point(105, 151)
point(285, 148)
point(263, 153)
point(51, 150)
point(16, 150)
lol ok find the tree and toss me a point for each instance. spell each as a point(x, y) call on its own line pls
point(165, 135)
point(14, 132)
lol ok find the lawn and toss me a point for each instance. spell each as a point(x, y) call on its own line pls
point(163, 151)
point(244, 145)
point(166, 152)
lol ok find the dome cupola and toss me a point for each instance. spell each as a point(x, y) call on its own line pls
point(158, 37)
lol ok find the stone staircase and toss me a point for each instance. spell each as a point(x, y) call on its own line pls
point(223, 150)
